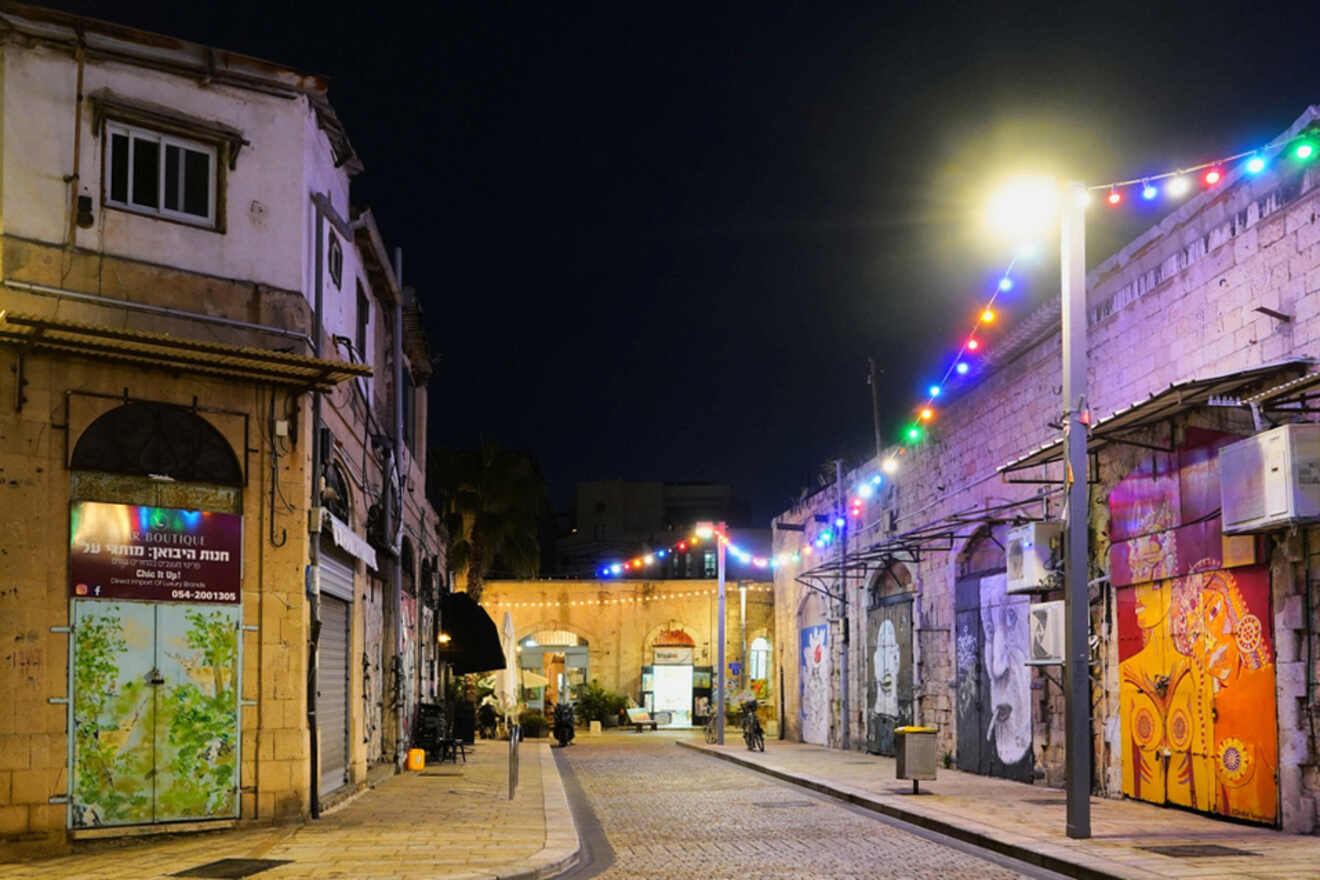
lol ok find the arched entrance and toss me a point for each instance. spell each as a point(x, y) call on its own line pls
point(889, 656)
point(814, 669)
point(156, 579)
point(994, 682)
point(671, 676)
point(553, 666)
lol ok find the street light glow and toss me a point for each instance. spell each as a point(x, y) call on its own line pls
point(1025, 207)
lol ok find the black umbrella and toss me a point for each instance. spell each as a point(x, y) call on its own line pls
point(474, 642)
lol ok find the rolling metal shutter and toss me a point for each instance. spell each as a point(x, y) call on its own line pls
point(336, 574)
point(332, 691)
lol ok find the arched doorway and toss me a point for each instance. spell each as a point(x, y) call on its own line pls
point(671, 676)
point(553, 666)
point(815, 663)
point(994, 682)
point(156, 570)
point(889, 656)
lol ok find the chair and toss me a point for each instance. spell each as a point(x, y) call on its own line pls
point(433, 734)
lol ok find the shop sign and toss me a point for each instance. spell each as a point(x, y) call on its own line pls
point(672, 656)
point(128, 551)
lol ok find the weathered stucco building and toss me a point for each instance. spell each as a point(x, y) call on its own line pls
point(219, 559)
point(620, 632)
point(1202, 331)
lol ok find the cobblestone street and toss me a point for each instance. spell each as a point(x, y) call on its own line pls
point(672, 813)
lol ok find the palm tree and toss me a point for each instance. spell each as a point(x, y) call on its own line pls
point(493, 501)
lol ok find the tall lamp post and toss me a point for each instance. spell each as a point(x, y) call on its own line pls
point(1030, 206)
point(706, 530)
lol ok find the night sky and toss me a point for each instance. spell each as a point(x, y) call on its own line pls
point(659, 242)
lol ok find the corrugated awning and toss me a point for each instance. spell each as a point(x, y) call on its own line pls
point(174, 352)
point(1221, 390)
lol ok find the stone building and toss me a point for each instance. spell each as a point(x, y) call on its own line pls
point(654, 641)
point(220, 561)
point(1204, 657)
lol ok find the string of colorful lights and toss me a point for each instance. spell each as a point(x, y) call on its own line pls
point(1300, 148)
point(644, 599)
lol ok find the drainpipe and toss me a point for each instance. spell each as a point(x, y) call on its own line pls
point(400, 747)
point(314, 569)
point(80, 52)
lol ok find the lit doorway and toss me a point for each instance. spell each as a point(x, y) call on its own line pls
point(673, 693)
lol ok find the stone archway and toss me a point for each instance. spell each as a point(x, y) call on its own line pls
point(157, 439)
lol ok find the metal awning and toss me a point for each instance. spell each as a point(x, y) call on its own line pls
point(940, 535)
point(175, 352)
point(1225, 389)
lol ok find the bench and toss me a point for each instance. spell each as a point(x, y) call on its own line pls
point(640, 718)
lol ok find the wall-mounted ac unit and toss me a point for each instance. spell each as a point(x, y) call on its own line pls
point(1270, 480)
point(1029, 551)
point(1045, 634)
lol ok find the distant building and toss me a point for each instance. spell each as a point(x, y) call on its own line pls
point(614, 520)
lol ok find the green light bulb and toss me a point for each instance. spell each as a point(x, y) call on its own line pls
point(1304, 150)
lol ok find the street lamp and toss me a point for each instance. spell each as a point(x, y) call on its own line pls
point(706, 530)
point(1028, 207)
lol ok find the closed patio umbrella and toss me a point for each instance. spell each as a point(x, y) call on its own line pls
point(474, 643)
point(507, 690)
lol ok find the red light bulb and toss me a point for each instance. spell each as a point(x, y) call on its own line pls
point(1213, 176)
point(1115, 197)
point(973, 345)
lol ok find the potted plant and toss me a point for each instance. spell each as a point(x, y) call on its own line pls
point(533, 723)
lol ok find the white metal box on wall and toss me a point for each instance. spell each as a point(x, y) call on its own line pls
point(1271, 479)
point(1029, 551)
point(1046, 636)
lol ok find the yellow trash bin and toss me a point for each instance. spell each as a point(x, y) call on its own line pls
point(416, 759)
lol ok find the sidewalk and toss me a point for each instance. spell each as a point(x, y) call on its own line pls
point(449, 821)
point(1027, 821)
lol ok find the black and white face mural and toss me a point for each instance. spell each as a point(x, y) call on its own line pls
point(994, 682)
point(889, 674)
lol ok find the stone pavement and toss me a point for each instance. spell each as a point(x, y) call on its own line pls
point(1027, 821)
point(671, 814)
point(449, 821)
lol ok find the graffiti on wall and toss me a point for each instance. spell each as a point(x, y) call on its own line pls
point(994, 682)
point(815, 684)
point(889, 679)
point(1196, 677)
point(409, 671)
point(1196, 663)
point(155, 713)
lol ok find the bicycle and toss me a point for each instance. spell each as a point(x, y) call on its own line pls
point(753, 735)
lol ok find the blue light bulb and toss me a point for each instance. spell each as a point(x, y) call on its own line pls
point(1149, 192)
point(1255, 165)
point(1005, 284)
point(934, 390)
point(961, 368)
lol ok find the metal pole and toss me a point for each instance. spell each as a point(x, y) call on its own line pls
point(1077, 680)
point(845, 728)
point(742, 626)
point(873, 379)
point(719, 708)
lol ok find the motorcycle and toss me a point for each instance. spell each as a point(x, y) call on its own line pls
point(564, 723)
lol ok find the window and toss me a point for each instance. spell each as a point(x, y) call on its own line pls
point(160, 174)
point(335, 259)
point(758, 659)
point(710, 567)
point(363, 317)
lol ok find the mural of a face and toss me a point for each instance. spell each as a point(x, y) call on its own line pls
point(886, 662)
point(1004, 624)
point(1151, 605)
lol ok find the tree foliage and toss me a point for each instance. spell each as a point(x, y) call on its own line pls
point(494, 500)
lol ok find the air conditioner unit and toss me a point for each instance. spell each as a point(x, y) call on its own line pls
point(1045, 634)
point(1032, 547)
point(1270, 480)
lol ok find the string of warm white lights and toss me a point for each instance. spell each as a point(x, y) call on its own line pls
point(645, 599)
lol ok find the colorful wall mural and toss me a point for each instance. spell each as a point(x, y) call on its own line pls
point(155, 713)
point(1196, 673)
point(815, 684)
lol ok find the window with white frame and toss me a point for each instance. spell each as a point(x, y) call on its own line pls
point(160, 174)
point(758, 659)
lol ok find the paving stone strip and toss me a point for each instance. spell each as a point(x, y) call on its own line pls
point(409, 826)
point(1131, 840)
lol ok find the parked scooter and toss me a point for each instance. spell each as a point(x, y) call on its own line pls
point(564, 723)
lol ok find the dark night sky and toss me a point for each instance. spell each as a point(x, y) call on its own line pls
point(659, 243)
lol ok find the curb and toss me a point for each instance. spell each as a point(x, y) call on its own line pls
point(1049, 861)
point(563, 845)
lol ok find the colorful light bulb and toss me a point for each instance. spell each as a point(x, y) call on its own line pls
point(1255, 165)
point(1178, 186)
point(973, 344)
point(962, 368)
point(840, 521)
point(927, 414)
point(934, 390)
point(914, 434)
point(1005, 284)
point(877, 479)
point(1148, 191)
point(1114, 197)
point(987, 315)
point(865, 490)
point(1304, 150)
point(1213, 176)
point(889, 466)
